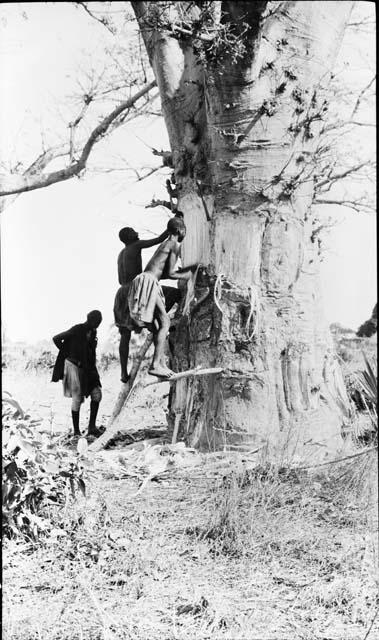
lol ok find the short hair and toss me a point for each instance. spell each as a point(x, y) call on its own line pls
point(127, 234)
point(175, 225)
point(94, 316)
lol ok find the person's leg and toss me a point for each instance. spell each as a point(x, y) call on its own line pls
point(172, 295)
point(158, 365)
point(75, 411)
point(124, 352)
point(96, 396)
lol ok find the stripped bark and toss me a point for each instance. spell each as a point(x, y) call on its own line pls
point(242, 128)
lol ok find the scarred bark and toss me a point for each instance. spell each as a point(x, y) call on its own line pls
point(241, 133)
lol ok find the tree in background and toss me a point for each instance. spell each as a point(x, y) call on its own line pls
point(369, 328)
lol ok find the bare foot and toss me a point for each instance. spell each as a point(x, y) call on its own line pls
point(168, 371)
point(161, 372)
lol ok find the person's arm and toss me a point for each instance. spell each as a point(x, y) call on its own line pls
point(60, 338)
point(191, 267)
point(145, 244)
point(178, 274)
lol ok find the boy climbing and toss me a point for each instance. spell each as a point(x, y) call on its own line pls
point(76, 366)
point(146, 297)
point(129, 265)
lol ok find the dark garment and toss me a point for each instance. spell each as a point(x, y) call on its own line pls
point(172, 295)
point(80, 350)
point(121, 307)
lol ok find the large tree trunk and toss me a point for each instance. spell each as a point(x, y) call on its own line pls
point(242, 132)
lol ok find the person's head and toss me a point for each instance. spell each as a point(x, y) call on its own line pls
point(94, 318)
point(176, 227)
point(127, 235)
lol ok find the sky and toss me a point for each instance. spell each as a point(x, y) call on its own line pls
point(59, 245)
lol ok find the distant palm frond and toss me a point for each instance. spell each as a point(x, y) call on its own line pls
point(368, 379)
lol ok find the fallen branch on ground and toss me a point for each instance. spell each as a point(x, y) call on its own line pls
point(324, 464)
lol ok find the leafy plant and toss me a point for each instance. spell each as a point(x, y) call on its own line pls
point(107, 359)
point(40, 361)
point(13, 403)
point(368, 379)
point(36, 476)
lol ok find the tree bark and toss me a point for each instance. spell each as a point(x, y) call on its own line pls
point(242, 132)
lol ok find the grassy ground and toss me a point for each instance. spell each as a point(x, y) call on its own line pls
point(203, 555)
point(200, 554)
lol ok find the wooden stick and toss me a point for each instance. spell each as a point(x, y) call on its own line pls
point(178, 415)
point(124, 395)
point(127, 386)
point(187, 374)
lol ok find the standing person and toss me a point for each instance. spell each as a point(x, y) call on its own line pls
point(76, 366)
point(146, 299)
point(129, 265)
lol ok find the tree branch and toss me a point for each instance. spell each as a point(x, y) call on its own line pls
point(166, 157)
point(340, 176)
point(362, 93)
point(103, 20)
point(349, 204)
point(29, 181)
point(159, 203)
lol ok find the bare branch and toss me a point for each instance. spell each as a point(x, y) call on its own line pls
point(361, 95)
point(148, 174)
point(103, 20)
point(159, 203)
point(74, 125)
point(166, 157)
point(190, 34)
point(45, 158)
point(29, 182)
point(358, 206)
point(343, 174)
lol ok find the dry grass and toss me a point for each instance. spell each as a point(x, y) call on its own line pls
point(201, 554)
point(255, 557)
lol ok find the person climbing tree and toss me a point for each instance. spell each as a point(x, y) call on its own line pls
point(146, 298)
point(129, 265)
point(76, 366)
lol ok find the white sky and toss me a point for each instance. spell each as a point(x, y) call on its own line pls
point(60, 244)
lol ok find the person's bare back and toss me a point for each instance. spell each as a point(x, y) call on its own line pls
point(129, 261)
point(163, 262)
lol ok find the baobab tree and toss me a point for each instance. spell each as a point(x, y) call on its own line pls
point(240, 92)
point(243, 94)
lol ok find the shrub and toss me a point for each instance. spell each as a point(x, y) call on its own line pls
point(41, 361)
point(362, 389)
point(36, 475)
